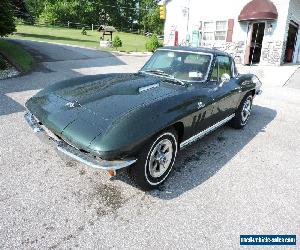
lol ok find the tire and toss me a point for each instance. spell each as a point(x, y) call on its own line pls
point(243, 113)
point(156, 160)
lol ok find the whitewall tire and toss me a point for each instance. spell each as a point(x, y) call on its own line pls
point(156, 160)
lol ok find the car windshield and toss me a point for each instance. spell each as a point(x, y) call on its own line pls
point(180, 65)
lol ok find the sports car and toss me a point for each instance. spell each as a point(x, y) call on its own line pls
point(140, 121)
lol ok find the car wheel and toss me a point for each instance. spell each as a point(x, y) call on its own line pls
point(156, 160)
point(243, 113)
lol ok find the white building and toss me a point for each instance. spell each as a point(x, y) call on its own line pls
point(257, 31)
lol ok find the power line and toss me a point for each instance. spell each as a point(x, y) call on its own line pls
point(132, 8)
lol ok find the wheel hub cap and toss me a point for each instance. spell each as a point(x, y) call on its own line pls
point(246, 110)
point(160, 158)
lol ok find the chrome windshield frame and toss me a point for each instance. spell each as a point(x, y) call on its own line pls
point(184, 51)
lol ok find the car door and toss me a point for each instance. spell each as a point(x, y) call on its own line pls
point(198, 109)
point(199, 102)
point(225, 94)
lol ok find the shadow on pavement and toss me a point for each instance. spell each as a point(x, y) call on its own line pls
point(199, 162)
point(9, 106)
point(66, 61)
point(52, 37)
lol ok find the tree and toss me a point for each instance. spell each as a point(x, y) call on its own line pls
point(128, 12)
point(20, 9)
point(7, 25)
point(117, 42)
point(153, 21)
point(123, 14)
point(149, 16)
point(35, 7)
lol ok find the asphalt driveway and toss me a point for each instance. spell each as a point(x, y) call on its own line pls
point(230, 183)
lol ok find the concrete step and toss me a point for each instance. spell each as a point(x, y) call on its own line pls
point(271, 76)
point(294, 80)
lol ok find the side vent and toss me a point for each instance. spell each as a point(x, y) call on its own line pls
point(146, 88)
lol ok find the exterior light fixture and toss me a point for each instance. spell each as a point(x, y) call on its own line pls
point(185, 11)
point(270, 27)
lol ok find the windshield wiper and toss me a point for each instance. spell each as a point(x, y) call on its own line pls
point(173, 79)
point(157, 72)
point(162, 73)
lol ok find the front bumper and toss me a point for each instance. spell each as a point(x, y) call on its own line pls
point(68, 151)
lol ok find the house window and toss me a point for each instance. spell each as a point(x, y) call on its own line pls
point(221, 25)
point(220, 35)
point(208, 36)
point(215, 31)
point(209, 26)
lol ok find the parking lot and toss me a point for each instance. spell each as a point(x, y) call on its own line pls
point(230, 183)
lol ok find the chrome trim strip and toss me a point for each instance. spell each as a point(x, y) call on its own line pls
point(142, 89)
point(38, 130)
point(74, 153)
point(206, 131)
point(186, 51)
point(91, 161)
point(33, 123)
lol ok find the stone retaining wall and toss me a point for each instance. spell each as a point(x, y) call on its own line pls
point(272, 52)
point(235, 49)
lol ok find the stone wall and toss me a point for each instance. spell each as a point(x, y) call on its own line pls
point(235, 49)
point(272, 53)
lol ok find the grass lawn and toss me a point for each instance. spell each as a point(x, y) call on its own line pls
point(131, 42)
point(16, 54)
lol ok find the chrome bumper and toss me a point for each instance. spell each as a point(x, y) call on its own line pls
point(68, 151)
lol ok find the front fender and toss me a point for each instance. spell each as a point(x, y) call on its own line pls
point(129, 134)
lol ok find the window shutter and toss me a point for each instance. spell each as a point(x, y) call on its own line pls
point(230, 30)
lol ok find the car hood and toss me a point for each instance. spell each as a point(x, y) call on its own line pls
point(79, 110)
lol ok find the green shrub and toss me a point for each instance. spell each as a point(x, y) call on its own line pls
point(2, 64)
point(83, 31)
point(152, 44)
point(7, 22)
point(117, 42)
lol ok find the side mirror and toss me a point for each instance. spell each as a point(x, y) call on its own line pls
point(224, 79)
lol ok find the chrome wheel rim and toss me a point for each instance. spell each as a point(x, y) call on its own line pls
point(160, 158)
point(246, 111)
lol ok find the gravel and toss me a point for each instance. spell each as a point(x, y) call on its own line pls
point(10, 71)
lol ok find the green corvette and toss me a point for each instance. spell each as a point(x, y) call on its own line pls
point(140, 121)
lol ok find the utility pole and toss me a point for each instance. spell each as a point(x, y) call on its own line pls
point(188, 17)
